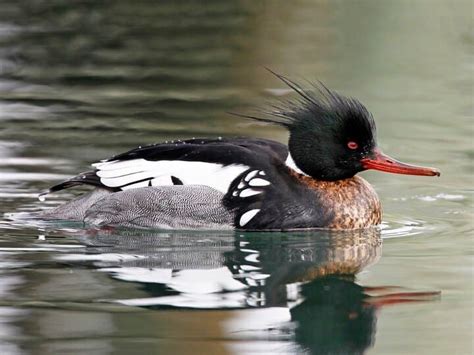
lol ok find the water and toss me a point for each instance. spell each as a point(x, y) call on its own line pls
point(82, 81)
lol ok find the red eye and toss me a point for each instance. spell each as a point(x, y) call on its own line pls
point(352, 145)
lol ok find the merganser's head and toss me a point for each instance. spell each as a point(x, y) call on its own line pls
point(333, 137)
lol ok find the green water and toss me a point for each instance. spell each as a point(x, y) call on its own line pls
point(81, 81)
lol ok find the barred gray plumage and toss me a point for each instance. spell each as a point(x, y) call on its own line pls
point(163, 207)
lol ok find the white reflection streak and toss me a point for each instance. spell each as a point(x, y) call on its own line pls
point(203, 301)
point(258, 325)
point(183, 281)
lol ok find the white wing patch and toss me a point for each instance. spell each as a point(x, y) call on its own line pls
point(158, 181)
point(138, 172)
point(247, 193)
point(138, 184)
point(247, 216)
point(250, 180)
point(258, 182)
point(251, 175)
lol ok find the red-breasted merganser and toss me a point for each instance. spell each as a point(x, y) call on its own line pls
point(247, 183)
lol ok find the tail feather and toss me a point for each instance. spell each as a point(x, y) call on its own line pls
point(86, 178)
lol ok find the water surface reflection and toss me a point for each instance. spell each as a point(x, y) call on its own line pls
point(210, 270)
point(298, 289)
point(229, 292)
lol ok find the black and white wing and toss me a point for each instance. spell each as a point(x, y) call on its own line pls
point(274, 200)
point(211, 162)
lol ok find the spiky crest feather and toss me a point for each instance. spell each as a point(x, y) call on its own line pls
point(314, 107)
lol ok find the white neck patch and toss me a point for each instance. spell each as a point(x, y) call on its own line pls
point(292, 165)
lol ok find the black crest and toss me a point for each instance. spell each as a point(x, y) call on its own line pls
point(321, 123)
point(316, 105)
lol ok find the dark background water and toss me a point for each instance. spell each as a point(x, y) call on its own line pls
point(83, 80)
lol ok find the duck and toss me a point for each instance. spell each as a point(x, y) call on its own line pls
point(247, 183)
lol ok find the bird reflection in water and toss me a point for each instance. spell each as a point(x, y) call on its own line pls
point(311, 275)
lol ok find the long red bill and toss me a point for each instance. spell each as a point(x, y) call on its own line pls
point(383, 162)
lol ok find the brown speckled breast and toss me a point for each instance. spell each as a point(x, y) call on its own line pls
point(353, 202)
